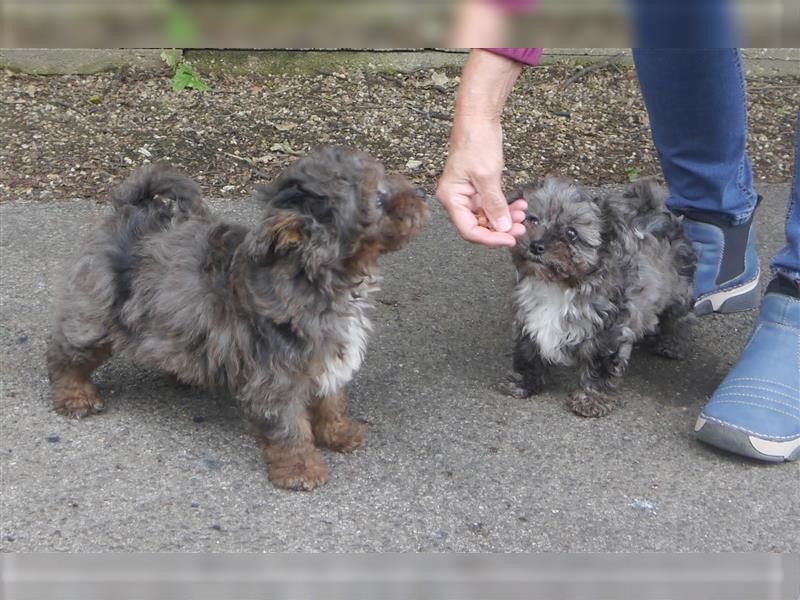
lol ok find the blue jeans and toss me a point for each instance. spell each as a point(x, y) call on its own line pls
point(695, 98)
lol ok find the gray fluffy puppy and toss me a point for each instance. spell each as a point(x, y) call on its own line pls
point(277, 313)
point(595, 275)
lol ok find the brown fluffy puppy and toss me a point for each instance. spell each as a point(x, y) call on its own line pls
point(276, 313)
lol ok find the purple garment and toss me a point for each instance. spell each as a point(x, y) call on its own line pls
point(517, 6)
point(528, 56)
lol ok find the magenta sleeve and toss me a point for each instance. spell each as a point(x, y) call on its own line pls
point(528, 56)
point(516, 6)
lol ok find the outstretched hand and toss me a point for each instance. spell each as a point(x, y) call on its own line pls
point(470, 191)
point(470, 186)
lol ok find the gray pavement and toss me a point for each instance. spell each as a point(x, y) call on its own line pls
point(450, 465)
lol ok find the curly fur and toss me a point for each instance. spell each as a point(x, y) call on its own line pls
point(277, 313)
point(595, 275)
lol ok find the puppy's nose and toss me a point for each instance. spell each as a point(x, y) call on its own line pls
point(421, 193)
point(537, 247)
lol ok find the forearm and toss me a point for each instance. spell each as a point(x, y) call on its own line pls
point(470, 185)
point(479, 24)
point(486, 82)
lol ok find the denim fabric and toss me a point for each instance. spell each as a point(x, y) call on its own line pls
point(696, 102)
point(788, 259)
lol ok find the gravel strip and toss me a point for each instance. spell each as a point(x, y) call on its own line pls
point(75, 136)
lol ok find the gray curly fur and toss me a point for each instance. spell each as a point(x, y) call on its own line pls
point(596, 274)
point(275, 313)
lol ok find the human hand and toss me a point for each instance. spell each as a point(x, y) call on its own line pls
point(470, 186)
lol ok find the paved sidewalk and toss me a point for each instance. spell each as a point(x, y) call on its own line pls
point(450, 464)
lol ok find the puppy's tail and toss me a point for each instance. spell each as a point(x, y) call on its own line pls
point(646, 200)
point(646, 196)
point(158, 186)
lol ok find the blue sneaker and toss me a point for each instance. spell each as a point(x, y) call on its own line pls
point(726, 279)
point(756, 410)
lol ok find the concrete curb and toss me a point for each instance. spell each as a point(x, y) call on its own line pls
point(67, 61)
point(72, 61)
point(757, 61)
point(241, 62)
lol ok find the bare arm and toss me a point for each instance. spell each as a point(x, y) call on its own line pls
point(471, 181)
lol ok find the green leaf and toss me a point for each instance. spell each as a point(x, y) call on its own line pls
point(440, 79)
point(285, 148)
point(634, 173)
point(186, 77)
point(170, 57)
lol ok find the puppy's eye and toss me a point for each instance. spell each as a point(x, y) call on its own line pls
point(380, 200)
point(532, 219)
point(571, 234)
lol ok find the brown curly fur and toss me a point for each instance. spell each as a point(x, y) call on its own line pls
point(278, 313)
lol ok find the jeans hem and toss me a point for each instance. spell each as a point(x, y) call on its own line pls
point(791, 274)
point(735, 218)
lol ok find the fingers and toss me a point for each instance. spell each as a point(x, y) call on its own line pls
point(518, 204)
point(466, 223)
point(493, 201)
point(517, 230)
point(463, 204)
point(517, 216)
point(492, 239)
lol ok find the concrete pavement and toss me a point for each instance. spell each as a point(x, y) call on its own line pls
point(450, 465)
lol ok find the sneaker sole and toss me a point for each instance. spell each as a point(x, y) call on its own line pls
point(736, 440)
point(739, 299)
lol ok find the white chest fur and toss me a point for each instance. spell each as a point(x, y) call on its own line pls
point(546, 312)
point(351, 331)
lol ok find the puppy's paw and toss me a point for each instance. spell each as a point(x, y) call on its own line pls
point(669, 347)
point(76, 399)
point(590, 403)
point(515, 387)
point(672, 352)
point(299, 470)
point(515, 390)
point(341, 436)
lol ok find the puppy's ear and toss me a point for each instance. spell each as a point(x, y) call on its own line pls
point(278, 234)
point(587, 195)
point(299, 222)
point(287, 232)
point(293, 195)
point(515, 195)
point(526, 188)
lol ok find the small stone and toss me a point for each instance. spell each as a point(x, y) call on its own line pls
point(476, 526)
point(209, 464)
point(195, 505)
point(198, 419)
point(53, 438)
point(216, 527)
point(22, 339)
point(645, 507)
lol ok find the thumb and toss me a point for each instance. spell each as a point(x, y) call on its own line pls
point(494, 204)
